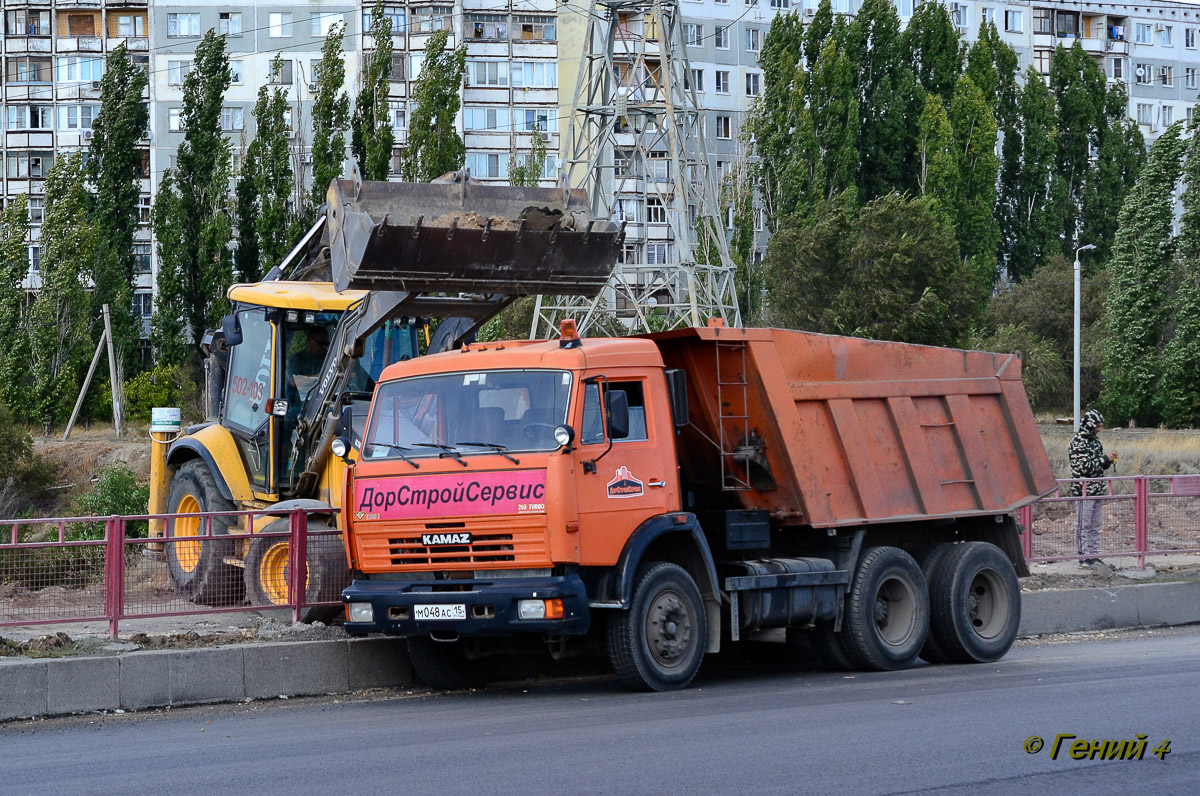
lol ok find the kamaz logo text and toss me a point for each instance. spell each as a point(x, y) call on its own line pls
point(429, 539)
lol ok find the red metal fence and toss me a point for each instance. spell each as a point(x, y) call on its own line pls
point(57, 570)
point(1143, 515)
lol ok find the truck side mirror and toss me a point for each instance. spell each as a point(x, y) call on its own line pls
point(677, 391)
point(231, 327)
point(616, 408)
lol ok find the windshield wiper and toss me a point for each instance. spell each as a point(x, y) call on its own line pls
point(397, 449)
point(500, 449)
point(446, 450)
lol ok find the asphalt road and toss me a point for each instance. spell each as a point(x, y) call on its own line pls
point(770, 728)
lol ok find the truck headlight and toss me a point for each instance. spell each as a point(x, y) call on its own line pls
point(531, 609)
point(360, 612)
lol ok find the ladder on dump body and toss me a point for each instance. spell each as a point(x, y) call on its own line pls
point(733, 405)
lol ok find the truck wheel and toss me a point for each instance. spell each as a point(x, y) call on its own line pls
point(658, 644)
point(198, 569)
point(887, 611)
point(828, 647)
point(976, 603)
point(445, 665)
point(266, 574)
point(928, 559)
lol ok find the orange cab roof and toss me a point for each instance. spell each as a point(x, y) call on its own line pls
point(599, 352)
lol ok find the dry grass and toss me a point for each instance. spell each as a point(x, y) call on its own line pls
point(1139, 451)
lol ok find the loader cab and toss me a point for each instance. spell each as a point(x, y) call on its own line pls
point(274, 367)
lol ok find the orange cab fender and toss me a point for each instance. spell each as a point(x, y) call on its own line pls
point(675, 537)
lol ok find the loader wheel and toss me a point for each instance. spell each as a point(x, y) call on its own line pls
point(929, 559)
point(267, 571)
point(197, 567)
point(975, 601)
point(444, 664)
point(887, 611)
point(658, 644)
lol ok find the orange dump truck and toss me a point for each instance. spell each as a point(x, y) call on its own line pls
point(662, 497)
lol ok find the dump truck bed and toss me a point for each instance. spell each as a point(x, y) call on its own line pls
point(830, 431)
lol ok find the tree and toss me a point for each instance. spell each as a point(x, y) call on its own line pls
point(1079, 90)
point(434, 147)
point(245, 207)
point(14, 265)
point(882, 89)
point(527, 171)
point(331, 114)
point(1181, 358)
point(834, 112)
point(1029, 218)
point(372, 137)
point(1141, 273)
point(115, 169)
point(1122, 151)
point(816, 32)
point(269, 167)
point(937, 160)
point(57, 323)
point(889, 271)
point(191, 214)
point(931, 46)
point(975, 148)
point(772, 122)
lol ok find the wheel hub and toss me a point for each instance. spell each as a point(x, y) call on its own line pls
point(669, 628)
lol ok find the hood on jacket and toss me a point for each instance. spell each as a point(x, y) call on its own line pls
point(1090, 421)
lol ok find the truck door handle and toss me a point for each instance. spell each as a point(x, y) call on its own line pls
point(657, 483)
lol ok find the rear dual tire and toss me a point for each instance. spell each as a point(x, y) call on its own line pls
point(975, 602)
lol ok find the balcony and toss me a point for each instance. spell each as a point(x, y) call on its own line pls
point(1117, 47)
point(81, 44)
point(18, 45)
point(132, 43)
point(1095, 45)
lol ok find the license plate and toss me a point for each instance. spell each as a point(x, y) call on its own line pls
point(451, 611)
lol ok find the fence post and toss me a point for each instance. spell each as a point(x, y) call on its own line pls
point(298, 564)
point(114, 571)
point(1026, 520)
point(1141, 517)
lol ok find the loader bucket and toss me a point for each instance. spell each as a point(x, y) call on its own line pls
point(467, 237)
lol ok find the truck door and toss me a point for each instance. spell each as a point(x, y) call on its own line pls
point(249, 386)
point(635, 477)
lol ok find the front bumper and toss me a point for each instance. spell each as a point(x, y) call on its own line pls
point(491, 606)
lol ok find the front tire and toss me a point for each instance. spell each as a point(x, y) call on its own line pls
point(976, 603)
point(887, 611)
point(445, 665)
point(197, 568)
point(658, 644)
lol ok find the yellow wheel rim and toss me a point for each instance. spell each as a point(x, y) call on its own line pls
point(273, 573)
point(187, 554)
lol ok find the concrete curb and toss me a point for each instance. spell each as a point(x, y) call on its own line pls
point(160, 678)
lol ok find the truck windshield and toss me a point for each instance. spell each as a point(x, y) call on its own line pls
point(468, 413)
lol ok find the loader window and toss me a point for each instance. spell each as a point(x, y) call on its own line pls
point(250, 374)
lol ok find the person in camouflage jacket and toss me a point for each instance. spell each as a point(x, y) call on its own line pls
point(1088, 461)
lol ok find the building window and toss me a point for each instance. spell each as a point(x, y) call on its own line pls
point(989, 15)
point(656, 212)
point(780, 3)
point(753, 39)
point(144, 213)
point(283, 77)
point(229, 23)
point(235, 72)
point(232, 119)
point(487, 27)
point(37, 210)
point(29, 70)
point(77, 117)
point(627, 210)
point(697, 80)
point(527, 27)
point(1145, 113)
point(1189, 77)
point(752, 84)
point(143, 304)
point(1191, 109)
point(1166, 75)
point(30, 165)
point(177, 71)
point(1041, 61)
point(1168, 115)
point(526, 120)
point(724, 126)
point(722, 84)
point(27, 23)
point(535, 74)
point(485, 73)
point(960, 15)
point(323, 21)
point(487, 165)
point(658, 168)
point(1042, 21)
point(174, 120)
point(396, 15)
point(1189, 38)
point(180, 25)
point(1014, 21)
point(397, 71)
point(1144, 74)
point(629, 253)
point(657, 253)
point(130, 25)
point(35, 258)
point(1143, 33)
point(485, 119)
point(693, 34)
point(721, 37)
point(279, 25)
point(1066, 24)
point(1118, 68)
point(427, 20)
point(1165, 36)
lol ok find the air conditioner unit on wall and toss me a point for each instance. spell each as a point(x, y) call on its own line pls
point(87, 135)
point(810, 12)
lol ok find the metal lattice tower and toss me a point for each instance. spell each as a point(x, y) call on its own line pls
point(636, 145)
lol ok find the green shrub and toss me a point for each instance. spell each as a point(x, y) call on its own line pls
point(116, 492)
point(163, 385)
point(24, 475)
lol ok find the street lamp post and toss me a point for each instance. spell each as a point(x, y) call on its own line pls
point(1077, 270)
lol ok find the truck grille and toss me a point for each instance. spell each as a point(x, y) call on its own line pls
point(500, 543)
